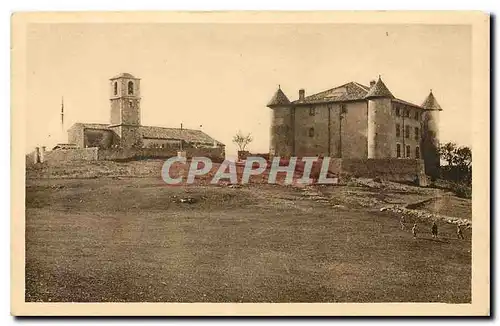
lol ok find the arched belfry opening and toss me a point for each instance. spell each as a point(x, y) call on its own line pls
point(115, 88)
point(130, 88)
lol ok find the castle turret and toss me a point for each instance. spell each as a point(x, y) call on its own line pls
point(430, 135)
point(282, 122)
point(380, 123)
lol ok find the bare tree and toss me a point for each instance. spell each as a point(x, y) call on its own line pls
point(242, 140)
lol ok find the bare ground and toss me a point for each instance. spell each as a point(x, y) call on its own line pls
point(131, 239)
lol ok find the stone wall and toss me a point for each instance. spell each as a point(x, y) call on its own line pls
point(381, 129)
point(408, 170)
point(79, 154)
point(409, 122)
point(76, 135)
point(316, 130)
point(389, 169)
point(216, 154)
point(281, 139)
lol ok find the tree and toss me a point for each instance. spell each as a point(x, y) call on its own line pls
point(447, 152)
point(463, 157)
point(459, 162)
point(242, 140)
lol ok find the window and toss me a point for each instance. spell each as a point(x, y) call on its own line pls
point(343, 109)
point(408, 151)
point(398, 150)
point(311, 132)
point(398, 113)
point(398, 130)
point(417, 133)
point(115, 88)
point(407, 132)
point(417, 152)
point(312, 111)
point(417, 115)
point(407, 113)
point(130, 88)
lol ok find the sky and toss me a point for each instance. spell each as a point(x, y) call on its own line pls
point(221, 76)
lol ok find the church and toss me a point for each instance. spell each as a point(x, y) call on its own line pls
point(124, 129)
point(354, 121)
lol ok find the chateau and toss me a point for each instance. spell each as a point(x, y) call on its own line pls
point(354, 121)
point(124, 129)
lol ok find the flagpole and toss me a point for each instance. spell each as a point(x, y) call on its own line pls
point(62, 115)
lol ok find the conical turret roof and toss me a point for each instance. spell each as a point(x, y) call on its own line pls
point(279, 98)
point(431, 103)
point(379, 90)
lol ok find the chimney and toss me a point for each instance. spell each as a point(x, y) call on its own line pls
point(372, 83)
point(302, 94)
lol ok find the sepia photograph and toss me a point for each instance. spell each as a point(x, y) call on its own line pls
point(266, 159)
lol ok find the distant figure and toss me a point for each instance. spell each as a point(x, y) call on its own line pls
point(414, 230)
point(402, 223)
point(460, 234)
point(434, 229)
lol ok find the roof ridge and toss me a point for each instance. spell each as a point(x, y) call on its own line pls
point(365, 88)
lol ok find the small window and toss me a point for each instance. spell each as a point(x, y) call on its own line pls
point(115, 88)
point(311, 132)
point(407, 132)
point(408, 149)
point(398, 112)
point(130, 88)
point(343, 109)
point(398, 150)
point(417, 115)
point(407, 113)
point(312, 111)
point(417, 152)
point(398, 130)
point(417, 133)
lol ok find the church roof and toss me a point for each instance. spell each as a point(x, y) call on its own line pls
point(279, 98)
point(188, 135)
point(348, 92)
point(431, 103)
point(153, 132)
point(123, 75)
point(379, 90)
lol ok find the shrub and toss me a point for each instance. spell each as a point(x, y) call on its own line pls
point(462, 190)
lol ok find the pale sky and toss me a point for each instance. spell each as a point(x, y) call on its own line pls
point(221, 76)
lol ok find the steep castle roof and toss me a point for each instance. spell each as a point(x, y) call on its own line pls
point(351, 91)
point(379, 90)
point(279, 98)
point(431, 103)
point(348, 92)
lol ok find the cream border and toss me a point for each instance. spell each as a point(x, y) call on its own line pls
point(481, 177)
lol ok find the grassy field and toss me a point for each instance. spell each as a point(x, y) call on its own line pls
point(131, 239)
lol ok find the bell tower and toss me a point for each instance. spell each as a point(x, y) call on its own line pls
point(125, 117)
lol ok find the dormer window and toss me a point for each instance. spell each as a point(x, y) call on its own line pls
point(130, 88)
point(115, 88)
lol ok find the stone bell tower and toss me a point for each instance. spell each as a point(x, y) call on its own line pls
point(125, 116)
